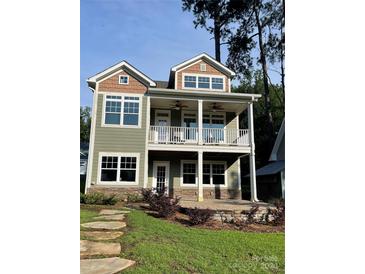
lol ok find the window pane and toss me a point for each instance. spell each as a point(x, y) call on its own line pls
point(217, 86)
point(203, 82)
point(189, 168)
point(206, 179)
point(108, 175)
point(111, 118)
point(189, 179)
point(218, 169)
point(206, 168)
point(130, 119)
point(190, 81)
point(128, 175)
point(218, 179)
point(123, 80)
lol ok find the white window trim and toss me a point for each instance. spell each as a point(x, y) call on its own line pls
point(211, 185)
point(122, 110)
point(120, 77)
point(210, 76)
point(118, 154)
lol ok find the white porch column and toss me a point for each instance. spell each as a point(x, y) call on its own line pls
point(252, 154)
point(200, 121)
point(200, 176)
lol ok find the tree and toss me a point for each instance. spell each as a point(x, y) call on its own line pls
point(215, 10)
point(255, 85)
point(257, 22)
point(85, 124)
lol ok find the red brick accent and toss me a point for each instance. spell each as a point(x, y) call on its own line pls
point(112, 84)
point(196, 70)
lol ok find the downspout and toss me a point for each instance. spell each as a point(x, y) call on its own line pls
point(91, 143)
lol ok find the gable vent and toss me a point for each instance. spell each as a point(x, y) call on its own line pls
point(203, 67)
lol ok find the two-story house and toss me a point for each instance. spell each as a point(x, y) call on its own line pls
point(182, 135)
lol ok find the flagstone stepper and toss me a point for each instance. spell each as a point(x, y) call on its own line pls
point(116, 217)
point(90, 248)
point(112, 211)
point(102, 235)
point(104, 266)
point(104, 225)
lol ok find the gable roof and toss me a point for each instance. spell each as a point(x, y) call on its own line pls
point(279, 139)
point(121, 65)
point(209, 59)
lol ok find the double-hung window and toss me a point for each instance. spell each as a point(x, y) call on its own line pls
point(131, 110)
point(122, 110)
point(190, 81)
point(204, 82)
point(189, 173)
point(119, 168)
point(113, 108)
point(217, 83)
point(213, 173)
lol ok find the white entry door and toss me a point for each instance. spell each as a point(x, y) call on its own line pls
point(161, 174)
point(162, 121)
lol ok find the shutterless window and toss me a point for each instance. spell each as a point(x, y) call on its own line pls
point(203, 82)
point(189, 173)
point(190, 81)
point(218, 174)
point(113, 110)
point(109, 169)
point(123, 80)
point(217, 83)
point(128, 169)
point(131, 110)
point(206, 174)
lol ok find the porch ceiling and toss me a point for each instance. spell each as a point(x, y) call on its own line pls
point(161, 103)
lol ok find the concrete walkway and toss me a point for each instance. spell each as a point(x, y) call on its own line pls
point(99, 231)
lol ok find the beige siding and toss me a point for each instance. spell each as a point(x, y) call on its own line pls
point(109, 139)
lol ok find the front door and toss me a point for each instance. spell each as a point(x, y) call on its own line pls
point(161, 173)
point(162, 122)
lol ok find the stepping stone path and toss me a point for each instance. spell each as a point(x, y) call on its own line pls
point(116, 217)
point(104, 225)
point(103, 230)
point(104, 266)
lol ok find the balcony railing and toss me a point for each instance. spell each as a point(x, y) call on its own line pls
point(190, 135)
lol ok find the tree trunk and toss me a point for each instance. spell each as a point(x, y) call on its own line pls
point(217, 39)
point(268, 114)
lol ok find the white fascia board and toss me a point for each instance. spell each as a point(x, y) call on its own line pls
point(279, 138)
point(175, 68)
point(120, 65)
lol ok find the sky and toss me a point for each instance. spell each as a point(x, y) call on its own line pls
point(152, 35)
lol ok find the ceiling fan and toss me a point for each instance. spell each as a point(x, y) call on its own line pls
point(215, 107)
point(178, 105)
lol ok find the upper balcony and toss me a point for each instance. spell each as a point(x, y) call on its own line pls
point(190, 136)
point(193, 121)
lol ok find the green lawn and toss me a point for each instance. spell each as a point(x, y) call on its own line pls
point(162, 247)
point(87, 215)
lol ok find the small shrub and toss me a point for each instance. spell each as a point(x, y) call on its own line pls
point(250, 214)
point(199, 216)
point(98, 199)
point(82, 198)
point(277, 214)
point(160, 202)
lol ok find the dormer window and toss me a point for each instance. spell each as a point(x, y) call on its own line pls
point(123, 80)
point(204, 82)
point(203, 67)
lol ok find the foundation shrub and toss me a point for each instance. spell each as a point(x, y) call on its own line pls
point(276, 216)
point(98, 199)
point(161, 203)
point(199, 216)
